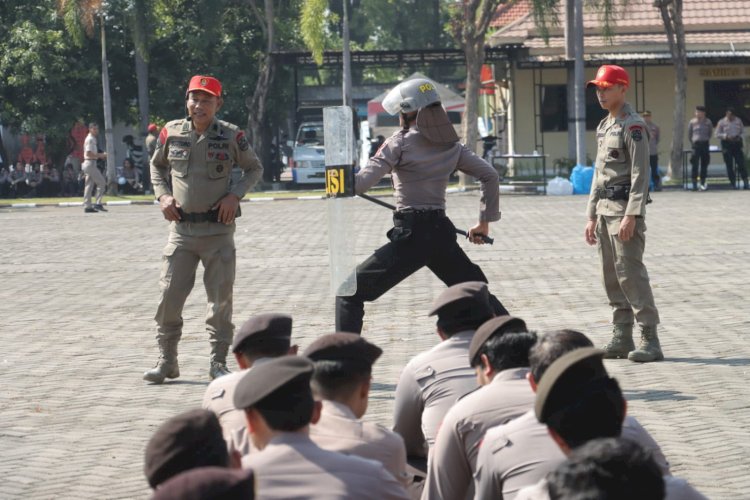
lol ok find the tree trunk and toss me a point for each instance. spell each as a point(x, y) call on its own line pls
point(671, 14)
point(257, 105)
point(108, 126)
point(141, 73)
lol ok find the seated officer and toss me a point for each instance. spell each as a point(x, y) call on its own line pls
point(188, 441)
point(499, 352)
point(608, 468)
point(433, 380)
point(262, 336)
point(279, 408)
point(578, 402)
point(207, 483)
point(341, 381)
point(521, 452)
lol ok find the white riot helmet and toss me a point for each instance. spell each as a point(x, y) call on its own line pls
point(411, 95)
point(420, 95)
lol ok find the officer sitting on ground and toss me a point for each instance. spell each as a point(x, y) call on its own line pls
point(209, 483)
point(420, 158)
point(279, 407)
point(578, 402)
point(434, 380)
point(190, 440)
point(499, 352)
point(608, 468)
point(341, 381)
point(521, 452)
point(262, 336)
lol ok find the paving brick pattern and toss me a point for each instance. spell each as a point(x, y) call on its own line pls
point(78, 293)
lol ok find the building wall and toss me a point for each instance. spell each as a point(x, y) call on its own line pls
point(657, 96)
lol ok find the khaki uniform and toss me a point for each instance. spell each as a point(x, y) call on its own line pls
point(521, 453)
point(200, 168)
point(219, 398)
point(429, 385)
point(453, 460)
point(339, 430)
point(93, 175)
point(291, 466)
point(622, 159)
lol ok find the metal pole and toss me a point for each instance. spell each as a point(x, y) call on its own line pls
point(347, 80)
point(570, 73)
point(580, 89)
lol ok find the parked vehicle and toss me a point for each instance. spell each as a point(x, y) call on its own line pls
point(308, 155)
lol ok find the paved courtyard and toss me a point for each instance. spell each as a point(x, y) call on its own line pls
point(78, 293)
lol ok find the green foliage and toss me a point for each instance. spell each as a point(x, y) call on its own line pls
point(546, 14)
point(312, 23)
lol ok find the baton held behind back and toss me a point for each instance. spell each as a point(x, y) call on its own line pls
point(382, 203)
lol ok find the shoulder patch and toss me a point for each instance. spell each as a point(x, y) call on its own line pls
point(636, 132)
point(162, 137)
point(242, 141)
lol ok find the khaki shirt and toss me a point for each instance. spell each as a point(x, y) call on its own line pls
point(453, 460)
point(339, 430)
point(201, 170)
point(219, 399)
point(89, 146)
point(700, 130)
point(521, 453)
point(729, 129)
point(621, 159)
point(291, 466)
point(429, 385)
point(420, 170)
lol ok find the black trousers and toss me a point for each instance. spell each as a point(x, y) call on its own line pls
point(428, 241)
point(734, 158)
point(700, 153)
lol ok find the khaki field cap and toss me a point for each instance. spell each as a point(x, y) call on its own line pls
point(191, 439)
point(348, 347)
point(468, 292)
point(277, 382)
point(609, 75)
point(565, 380)
point(497, 325)
point(264, 328)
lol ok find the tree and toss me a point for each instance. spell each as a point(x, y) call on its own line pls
point(141, 22)
point(80, 18)
point(671, 14)
point(470, 25)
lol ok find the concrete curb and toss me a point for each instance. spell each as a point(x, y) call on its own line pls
point(68, 204)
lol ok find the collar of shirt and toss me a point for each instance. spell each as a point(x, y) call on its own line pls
point(294, 438)
point(337, 409)
point(510, 374)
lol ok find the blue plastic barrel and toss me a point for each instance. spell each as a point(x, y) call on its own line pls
point(581, 177)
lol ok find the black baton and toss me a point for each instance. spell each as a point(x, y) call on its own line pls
point(382, 203)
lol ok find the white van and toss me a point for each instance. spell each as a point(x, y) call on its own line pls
point(308, 155)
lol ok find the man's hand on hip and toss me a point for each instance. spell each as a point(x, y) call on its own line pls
point(227, 207)
point(169, 206)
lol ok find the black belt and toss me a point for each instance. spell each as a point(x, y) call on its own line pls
point(210, 216)
point(614, 192)
point(419, 214)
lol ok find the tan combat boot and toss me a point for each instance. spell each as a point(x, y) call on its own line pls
point(621, 343)
point(649, 348)
point(218, 366)
point(167, 366)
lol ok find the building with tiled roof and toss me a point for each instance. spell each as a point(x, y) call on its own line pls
point(718, 49)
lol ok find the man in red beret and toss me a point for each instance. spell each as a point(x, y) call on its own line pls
point(201, 203)
point(616, 213)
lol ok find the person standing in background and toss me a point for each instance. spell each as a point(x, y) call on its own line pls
point(653, 149)
point(699, 132)
point(730, 130)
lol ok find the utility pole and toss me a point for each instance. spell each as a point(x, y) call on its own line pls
point(580, 89)
point(347, 80)
point(570, 73)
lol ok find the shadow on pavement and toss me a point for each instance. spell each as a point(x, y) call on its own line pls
point(654, 395)
point(711, 361)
